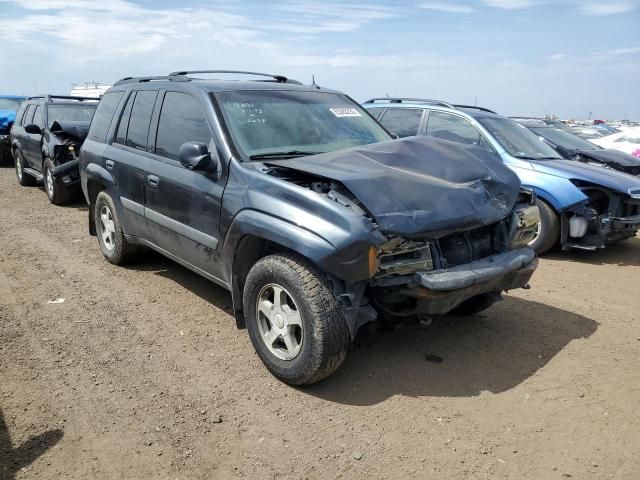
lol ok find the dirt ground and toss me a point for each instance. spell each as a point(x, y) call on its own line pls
point(141, 374)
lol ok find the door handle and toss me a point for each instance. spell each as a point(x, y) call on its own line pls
point(153, 180)
point(109, 164)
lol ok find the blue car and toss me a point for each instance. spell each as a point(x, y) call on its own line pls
point(582, 206)
point(9, 105)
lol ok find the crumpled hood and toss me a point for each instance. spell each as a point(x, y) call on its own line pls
point(615, 158)
point(570, 169)
point(7, 117)
point(74, 130)
point(420, 186)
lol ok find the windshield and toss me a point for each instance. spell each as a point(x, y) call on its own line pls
point(558, 124)
point(564, 139)
point(70, 113)
point(9, 104)
point(516, 139)
point(290, 123)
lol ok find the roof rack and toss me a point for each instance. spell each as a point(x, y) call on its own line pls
point(63, 97)
point(409, 100)
point(278, 78)
point(171, 78)
point(475, 108)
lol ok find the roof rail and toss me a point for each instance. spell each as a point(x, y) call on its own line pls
point(63, 97)
point(475, 108)
point(172, 78)
point(409, 100)
point(278, 78)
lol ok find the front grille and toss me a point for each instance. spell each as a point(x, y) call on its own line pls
point(465, 247)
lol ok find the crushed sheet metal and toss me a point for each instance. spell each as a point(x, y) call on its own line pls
point(420, 185)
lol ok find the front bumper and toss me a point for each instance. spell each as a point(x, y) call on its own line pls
point(67, 174)
point(440, 291)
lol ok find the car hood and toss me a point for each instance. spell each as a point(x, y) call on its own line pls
point(614, 158)
point(420, 186)
point(72, 130)
point(595, 174)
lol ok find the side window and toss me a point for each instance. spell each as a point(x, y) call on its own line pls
point(103, 116)
point(20, 114)
point(181, 120)
point(453, 128)
point(402, 121)
point(375, 111)
point(28, 116)
point(121, 133)
point(140, 120)
point(38, 116)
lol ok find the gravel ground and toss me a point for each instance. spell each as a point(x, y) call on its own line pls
point(141, 373)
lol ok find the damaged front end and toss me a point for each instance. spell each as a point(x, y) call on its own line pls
point(452, 224)
point(606, 217)
point(64, 146)
point(434, 276)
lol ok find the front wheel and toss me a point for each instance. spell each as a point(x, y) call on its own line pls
point(548, 230)
point(57, 194)
point(294, 321)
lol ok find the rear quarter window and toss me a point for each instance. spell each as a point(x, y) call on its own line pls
point(104, 115)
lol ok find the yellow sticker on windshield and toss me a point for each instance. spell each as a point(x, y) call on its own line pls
point(341, 112)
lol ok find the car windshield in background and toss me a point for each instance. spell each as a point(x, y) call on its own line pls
point(9, 104)
point(564, 139)
point(285, 124)
point(70, 113)
point(517, 140)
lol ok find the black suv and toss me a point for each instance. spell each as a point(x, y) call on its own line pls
point(297, 201)
point(45, 140)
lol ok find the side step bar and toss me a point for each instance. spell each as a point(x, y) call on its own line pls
point(34, 173)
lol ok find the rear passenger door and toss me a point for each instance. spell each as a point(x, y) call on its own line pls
point(183, 206)
point(404, 122)
point(130, 159)
point(34, 140)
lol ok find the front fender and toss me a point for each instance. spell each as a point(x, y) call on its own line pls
point(557, 191)
point(349, 264)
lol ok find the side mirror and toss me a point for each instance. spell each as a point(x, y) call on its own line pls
point(394, 135)
point(196, 156)
point(33, 129)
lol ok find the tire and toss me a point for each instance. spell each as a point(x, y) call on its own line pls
point(24, 179)
point(549, 229)
point(321, 332)
point(475, 305)
point(57, 194)
point(113, 245)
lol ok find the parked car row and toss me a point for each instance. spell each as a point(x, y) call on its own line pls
point(307, 207)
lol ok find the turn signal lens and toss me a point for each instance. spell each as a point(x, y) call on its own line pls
point(373, 261)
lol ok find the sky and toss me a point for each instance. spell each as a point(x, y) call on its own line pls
point(571, 58)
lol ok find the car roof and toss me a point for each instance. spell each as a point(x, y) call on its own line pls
point(186, 81)
point(13, 97)
point(532, 122)
point(471, 110)
point(63, 100)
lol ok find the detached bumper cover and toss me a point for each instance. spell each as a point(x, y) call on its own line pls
point(68, 173)
point(626, 223)
point(481, 271)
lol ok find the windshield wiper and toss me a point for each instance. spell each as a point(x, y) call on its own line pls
point(524, 157)
point(287, 154)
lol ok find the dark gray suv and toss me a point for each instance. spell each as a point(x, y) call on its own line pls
point(297, 201)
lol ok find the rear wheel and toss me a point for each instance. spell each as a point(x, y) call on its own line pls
point(113, 244)
point(548, 230)
point(24, 179)
point(294, 321)
point(57, 194)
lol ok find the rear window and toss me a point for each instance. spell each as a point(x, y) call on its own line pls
point(103, 116)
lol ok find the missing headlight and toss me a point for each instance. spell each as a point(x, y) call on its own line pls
point(403, 257)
